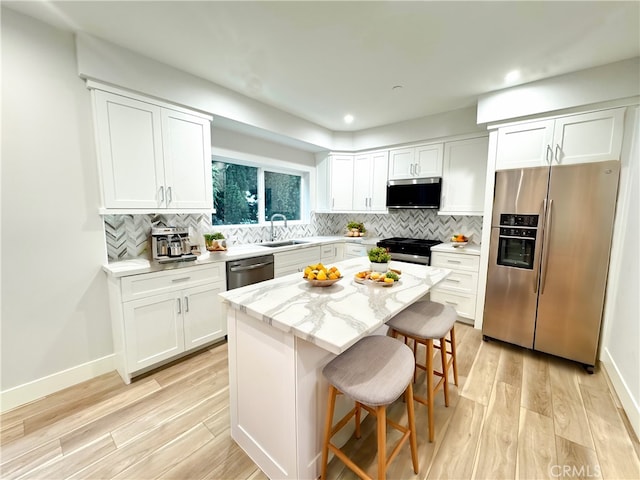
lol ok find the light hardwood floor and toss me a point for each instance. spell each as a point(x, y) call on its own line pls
point(515, 414)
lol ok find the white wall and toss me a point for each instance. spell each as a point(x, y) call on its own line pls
point(55, 314)
point(620, 349)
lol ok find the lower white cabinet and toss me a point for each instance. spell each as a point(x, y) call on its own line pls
point(352, 250)
point(295, 260)
point(150, 327)
point(331, 253)
point(459, 289)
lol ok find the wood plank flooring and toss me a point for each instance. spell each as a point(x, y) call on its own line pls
point(515, 414)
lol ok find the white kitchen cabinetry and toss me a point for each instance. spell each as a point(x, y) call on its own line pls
point(152, 157)
point(331, 253)
point(159, 316)
point(358, 183)
point(416, 162)
point(459, 289)
point(352, 250)
point(464, 177)
point(295, 260)
point(581, 138)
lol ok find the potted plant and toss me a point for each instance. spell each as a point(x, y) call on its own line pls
point(214, 241)
point(379, 258)
point(355, 229)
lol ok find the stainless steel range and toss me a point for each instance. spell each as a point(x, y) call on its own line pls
point(413, 250)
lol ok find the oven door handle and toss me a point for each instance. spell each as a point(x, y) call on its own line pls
point(545, 247)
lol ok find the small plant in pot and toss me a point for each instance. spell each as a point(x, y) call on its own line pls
point(379, 258)
point(214, 241)
point(355, 229)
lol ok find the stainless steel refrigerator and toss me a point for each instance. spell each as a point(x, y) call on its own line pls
point(549, 257)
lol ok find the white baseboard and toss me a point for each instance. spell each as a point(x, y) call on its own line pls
point(630, 404)
point(44, 386)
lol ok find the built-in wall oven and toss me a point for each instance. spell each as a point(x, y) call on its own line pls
point(516, 241)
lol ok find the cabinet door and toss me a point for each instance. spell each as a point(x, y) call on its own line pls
point(129, 138)
point(526, 145)
point(187, 160)
point(341, 182)
point(428, 161)
point(362, 174)
point(464, 176)
point(401, 163)
point(378, 195)
point(153, 330)
point(590, 137)
point(203, 318)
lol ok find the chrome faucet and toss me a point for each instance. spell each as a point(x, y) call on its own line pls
point(273, 217)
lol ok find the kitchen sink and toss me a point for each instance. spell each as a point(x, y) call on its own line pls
point(284, 243)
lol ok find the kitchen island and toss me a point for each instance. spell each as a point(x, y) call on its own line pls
point(281, 333)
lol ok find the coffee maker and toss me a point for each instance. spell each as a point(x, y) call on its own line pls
point(171, 244)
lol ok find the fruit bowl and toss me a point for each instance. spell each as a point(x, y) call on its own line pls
point(322, 283)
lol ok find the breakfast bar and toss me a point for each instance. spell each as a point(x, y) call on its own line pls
point(281, 333)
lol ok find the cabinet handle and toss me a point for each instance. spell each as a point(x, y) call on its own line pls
point(186, 304)
point(417, 169)
point(549, 155)
point(169, 196)
point(451, 303)
point(411, 168)
point(181, 279)
point(451, 280)
point(333, 202)
point(454, 261)
point(162, 194)
point(179, 305)
point(557, 153)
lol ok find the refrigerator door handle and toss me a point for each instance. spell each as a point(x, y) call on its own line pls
point(545, 247)
point(557, 153)
point(536, 268)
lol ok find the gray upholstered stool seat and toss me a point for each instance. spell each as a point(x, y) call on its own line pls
point(423, 322)
point(374, 372)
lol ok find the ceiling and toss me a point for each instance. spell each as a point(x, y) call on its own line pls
point(322, 60)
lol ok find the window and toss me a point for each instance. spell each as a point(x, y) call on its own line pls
point(245, 194)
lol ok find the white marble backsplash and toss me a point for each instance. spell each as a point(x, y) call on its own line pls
point(127, 236)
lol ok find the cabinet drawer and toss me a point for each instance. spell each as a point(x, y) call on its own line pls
point(464, 304)
point(354, 250)
point(460, 281)
point(455, 261)
point(144, 285)
point(298, 256)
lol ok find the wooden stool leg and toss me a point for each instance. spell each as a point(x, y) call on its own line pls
point(445, 369)
point(412, 425)
point(358, 414)
point(415, 357)
point(331, 405)
point(381, 414)
point(452, 334)
point(430, 392)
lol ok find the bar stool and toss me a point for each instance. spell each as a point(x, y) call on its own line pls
point(424, 322)
point(374, 372)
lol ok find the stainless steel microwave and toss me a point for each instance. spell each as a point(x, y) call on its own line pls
point(414, 193)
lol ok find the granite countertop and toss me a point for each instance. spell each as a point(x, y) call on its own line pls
point(448, 247)
point(334, 317)
point(137, 266)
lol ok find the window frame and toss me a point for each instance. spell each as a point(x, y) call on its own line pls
point(307, 180)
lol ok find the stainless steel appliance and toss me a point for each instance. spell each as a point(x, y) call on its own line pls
point(248, 271)
point(171, 244)
point(413, 250)
point(549, 255)
point(414, 193)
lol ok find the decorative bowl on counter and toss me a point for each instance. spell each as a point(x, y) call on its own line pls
point(323, 283)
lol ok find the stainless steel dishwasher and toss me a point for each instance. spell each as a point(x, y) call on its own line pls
point(249, 271)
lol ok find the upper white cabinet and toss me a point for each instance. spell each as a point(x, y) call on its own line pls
point(464, 176)
point(581, 138)
point(414, 162)
point(151, 156)
point(358, 182)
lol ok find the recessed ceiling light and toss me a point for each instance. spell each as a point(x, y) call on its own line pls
point(348, 118)
point(512, 76)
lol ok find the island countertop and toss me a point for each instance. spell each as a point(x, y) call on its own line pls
point(334, 317)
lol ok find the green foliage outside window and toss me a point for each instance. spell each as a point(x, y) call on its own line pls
point(282, 195)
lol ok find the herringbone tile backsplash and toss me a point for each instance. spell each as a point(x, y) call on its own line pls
point(127, 236)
